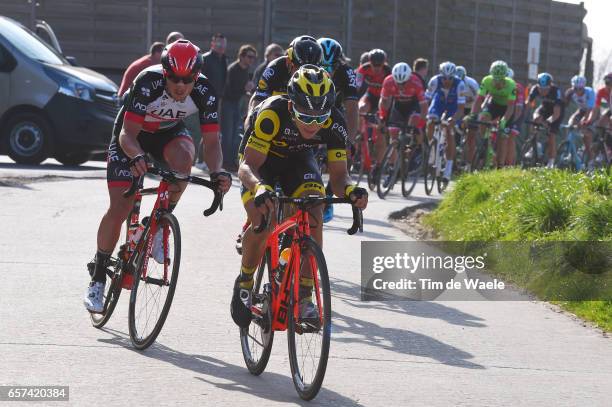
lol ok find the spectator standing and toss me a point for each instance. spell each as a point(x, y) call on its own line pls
point(215, 63)
point(237, 85)
point(214, 66)
point(273, 51)
point(153, 58)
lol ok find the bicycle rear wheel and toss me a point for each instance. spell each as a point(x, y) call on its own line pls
point(309, 340)
point(111, 297)
point(152, 295)
point(256, 340)
point(430, 166)
point(389, 168)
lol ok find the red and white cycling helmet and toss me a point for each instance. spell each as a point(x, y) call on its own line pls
point(181, 58)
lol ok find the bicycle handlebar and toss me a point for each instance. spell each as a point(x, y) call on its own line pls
point(173, 177)
point(481, 123)
point(315, 200)
point(538, 125)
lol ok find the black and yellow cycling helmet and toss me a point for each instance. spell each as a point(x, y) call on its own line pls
point(311, 88)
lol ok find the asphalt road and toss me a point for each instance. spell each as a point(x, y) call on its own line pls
point(468, 353)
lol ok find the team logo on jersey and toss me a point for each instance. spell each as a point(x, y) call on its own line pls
point(157, 83)
point(340, 129)
point(201, 88)
point(140, 106)
point(262, 84)
point(168, 114)
point(268, 73)
point(211, 100)
point(145, 91)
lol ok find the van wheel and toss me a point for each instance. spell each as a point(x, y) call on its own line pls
point(73, 158)
point(28, 138)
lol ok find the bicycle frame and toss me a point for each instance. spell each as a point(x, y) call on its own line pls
point(161, 205)
point(299, 227)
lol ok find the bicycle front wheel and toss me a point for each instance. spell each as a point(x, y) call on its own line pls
point(154, 286)
point(309, 336)
point(430, 167)
point(256, 340)
point(389, 168)
point(111, 297)
point(413, 164)
point(565, 159)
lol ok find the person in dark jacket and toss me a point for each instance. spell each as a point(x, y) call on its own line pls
point(237, 85)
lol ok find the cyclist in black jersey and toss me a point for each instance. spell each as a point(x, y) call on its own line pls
point(302, 50)
point(345, 82)
point(551, 110)
point(150, 122)
point(280, 137)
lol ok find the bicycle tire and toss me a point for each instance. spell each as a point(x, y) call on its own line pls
point(381, 189)
point(146, 341)
point(440, 183)
point(430, 169)
point(561, 160)
point(412, 170)
point(111, 298)
point(529, 162)
point(308, 392)
point(256, 366)
point(358, 161)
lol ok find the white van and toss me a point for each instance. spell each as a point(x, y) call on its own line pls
point(49, 108)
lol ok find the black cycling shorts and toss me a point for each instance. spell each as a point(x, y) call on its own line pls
point(494, 110)
point(118, 172)
point(545, 113)
point(295, 173)
point(402, 112)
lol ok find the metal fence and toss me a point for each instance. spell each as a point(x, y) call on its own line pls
point(108, 35)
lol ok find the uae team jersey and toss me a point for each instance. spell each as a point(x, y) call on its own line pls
point(150, 105)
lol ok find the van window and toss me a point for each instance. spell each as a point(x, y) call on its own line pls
point(28, 43)
point(7, 62)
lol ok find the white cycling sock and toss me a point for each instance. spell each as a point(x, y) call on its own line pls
point(449, 169)
point(551, 163)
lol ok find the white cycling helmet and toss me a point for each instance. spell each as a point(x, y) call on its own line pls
point(510, 73)
point(460, 71)
point(401, 72)
point(447, 69)
point(579, 82)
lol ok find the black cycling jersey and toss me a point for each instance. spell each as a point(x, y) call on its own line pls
point(552, 98)
point(274, 79)
point(150, 105)
point(271, 131)
point(345, 82)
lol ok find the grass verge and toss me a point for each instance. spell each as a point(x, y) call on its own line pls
point(540, 207)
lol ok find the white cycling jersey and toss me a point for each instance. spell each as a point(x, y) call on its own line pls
point(471, 89)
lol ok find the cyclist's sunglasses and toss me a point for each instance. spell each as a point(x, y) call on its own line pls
point(178, 79)
point(310, 119)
